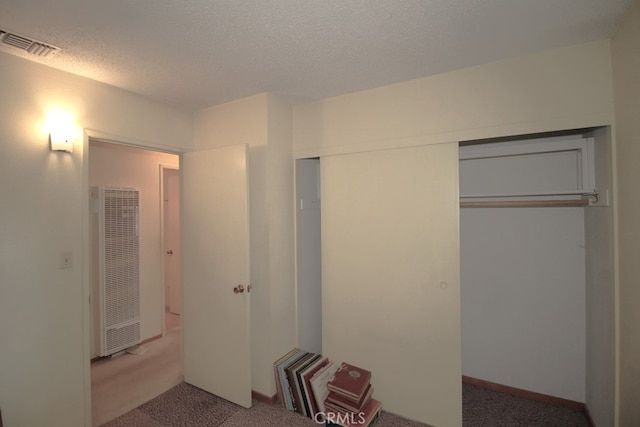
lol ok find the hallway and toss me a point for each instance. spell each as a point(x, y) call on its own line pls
point(125, 381)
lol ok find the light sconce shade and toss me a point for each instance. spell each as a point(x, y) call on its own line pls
point(60, 126)
point(61, 142)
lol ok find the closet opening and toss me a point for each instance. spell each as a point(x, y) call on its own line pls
point(309, 254)
point(537, 287)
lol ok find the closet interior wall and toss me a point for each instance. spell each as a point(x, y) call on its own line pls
point(523, 270)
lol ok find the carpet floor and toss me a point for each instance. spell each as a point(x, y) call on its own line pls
point(185, 405)
point(484, 408)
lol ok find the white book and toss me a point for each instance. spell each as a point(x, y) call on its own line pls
point(319, 384)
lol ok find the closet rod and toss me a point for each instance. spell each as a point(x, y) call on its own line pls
point(527, 204)
point(548, 194)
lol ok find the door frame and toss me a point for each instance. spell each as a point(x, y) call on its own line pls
point(92, 134)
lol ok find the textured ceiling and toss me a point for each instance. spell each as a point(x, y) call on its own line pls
point(199, 53)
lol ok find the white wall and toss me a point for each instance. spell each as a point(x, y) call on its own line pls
point(119, 166)
point(280, 209)
point(44, 311)
point(523, 298)
point(626, 69)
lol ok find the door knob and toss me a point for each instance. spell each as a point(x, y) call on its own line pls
point(238, 289)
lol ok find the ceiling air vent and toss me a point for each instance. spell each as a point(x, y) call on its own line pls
point(31, 46)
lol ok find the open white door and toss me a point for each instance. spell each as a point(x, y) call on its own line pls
point(171, 226)
point(215, 266)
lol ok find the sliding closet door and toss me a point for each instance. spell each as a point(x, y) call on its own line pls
point(390, 274)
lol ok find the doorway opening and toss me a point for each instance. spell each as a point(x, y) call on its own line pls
point(118, 384)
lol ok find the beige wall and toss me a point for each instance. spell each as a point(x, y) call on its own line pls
point(239, 122)
point(263, 122)
point(114, 165)
point(44, 362)
point(626, 82)
point(553, 90)
point(280, 210)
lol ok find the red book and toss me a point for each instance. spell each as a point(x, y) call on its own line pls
point(349, 404)
point(350, 381)
point(335, 409)
point(364, 418)
point(369, 414)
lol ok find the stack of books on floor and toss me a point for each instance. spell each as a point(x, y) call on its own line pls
point(293, 373)
point(350, 397)
point(336, 393)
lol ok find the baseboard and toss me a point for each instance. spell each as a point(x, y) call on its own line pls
point(97, 358)
point(148, 340)
point(156, 337)
point(269, 400)
point(526, 394)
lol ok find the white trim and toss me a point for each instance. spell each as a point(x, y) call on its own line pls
point(131, 142)
point(523, 147)
point(582, 147)
point(328, 146)
point(86, 279)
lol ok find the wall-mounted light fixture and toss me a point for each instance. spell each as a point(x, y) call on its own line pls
point(61, 142)
point(61, 130)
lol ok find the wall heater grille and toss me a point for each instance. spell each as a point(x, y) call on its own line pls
point(119, 268)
